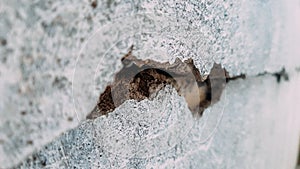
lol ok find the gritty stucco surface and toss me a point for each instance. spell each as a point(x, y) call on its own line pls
point(57, 56)
point(242, 139)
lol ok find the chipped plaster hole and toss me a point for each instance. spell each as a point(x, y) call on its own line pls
point(142, 79)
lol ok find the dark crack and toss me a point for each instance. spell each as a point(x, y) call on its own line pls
point(280, 75)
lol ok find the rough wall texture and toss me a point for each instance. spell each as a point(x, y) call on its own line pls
point(57, 56)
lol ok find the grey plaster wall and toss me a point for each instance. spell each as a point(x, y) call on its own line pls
point(57, 56)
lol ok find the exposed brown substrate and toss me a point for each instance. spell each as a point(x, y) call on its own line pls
point(141, 79)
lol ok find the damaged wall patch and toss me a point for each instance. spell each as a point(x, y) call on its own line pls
point(141, 79)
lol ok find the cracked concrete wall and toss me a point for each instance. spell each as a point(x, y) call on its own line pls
point(57, 56)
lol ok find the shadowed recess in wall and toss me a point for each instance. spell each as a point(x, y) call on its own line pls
point(141, 79)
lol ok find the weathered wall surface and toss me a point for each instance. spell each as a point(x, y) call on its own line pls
point(255, 132)
point(57, 56)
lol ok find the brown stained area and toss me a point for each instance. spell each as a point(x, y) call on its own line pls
point(141, 79)
point(94, 4)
